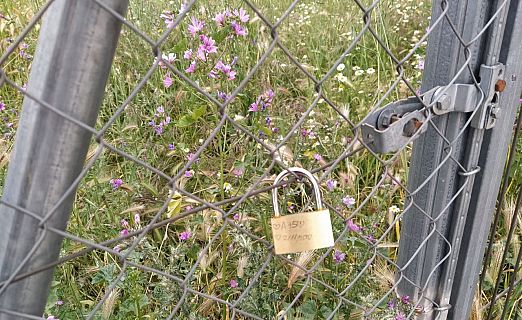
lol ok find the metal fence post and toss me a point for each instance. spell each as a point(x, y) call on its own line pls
point(492, 160)
point(74, 55)
point(443, 204)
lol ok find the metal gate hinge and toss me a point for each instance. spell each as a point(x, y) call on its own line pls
point(398, 123)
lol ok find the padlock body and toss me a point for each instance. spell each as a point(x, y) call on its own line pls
point(302, 232)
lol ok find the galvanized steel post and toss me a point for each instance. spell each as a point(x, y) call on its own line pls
point(73, 59)
point(439, 270)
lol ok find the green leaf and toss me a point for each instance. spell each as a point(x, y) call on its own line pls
point(185, 121)
point(199, 112)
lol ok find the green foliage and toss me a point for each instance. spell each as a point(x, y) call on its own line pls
point(317, 34)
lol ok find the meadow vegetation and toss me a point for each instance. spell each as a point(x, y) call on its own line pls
point(216, 46)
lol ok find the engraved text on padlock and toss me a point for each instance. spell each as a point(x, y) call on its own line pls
point(302, 231)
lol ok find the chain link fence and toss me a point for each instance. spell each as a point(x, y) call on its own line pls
point(410, 221)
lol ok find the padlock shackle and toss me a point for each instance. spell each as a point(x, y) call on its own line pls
point(304, 172)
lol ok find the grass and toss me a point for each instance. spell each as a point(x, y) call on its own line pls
point(316, 34)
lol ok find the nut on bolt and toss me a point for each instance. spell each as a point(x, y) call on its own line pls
point(443, 102)
point(500, 85)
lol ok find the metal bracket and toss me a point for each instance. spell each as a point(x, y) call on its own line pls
point(398, 123)
point(481, 99)
point(390, 128)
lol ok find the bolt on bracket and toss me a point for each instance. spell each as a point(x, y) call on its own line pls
point(392, 127)
point(481, 99)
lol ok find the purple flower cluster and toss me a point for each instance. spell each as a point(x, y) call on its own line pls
point(349, 201)
point(339, 256)
point(398, 309)
point(352, 226)
point(23, 51)
point(234, 19)
point(185, 235)
point(160, 121)
point(223, 96)
point(115, 183)
point(195, 26)
point(331, 184)
point(168, 17)
point(124, 224)
point(307, 133)
point(207, 46)
point(263, 101)
point(234, 283)
point(238, 172)
point(199, 55)
point(226, 69)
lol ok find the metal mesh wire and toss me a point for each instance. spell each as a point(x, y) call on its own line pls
point(229, 214)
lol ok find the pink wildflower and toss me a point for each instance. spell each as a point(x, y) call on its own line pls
point(339, 256)
point(2, 106)
point(213, 74)
point(238, 29)
point(331, 184)
point(191, 68)
point(254, 107)
point(167, 57)
point(116, 183)
point(167, 81)
point(201, 53)
point(223, 96)
point(168, 18)
point(185, 235)
point(209, 44)
point(192, 157)
point(124, 223)
point(195, 26)
point(238, 172)
point(137, 218)
point(220, 18)
point(353, 226)
point(226, 69)
point(233, 283)
point(187, 54)
point(124, 232)
point(349, 201)
point(242, 15)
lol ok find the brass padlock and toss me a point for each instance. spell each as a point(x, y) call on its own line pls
point(301, 231)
